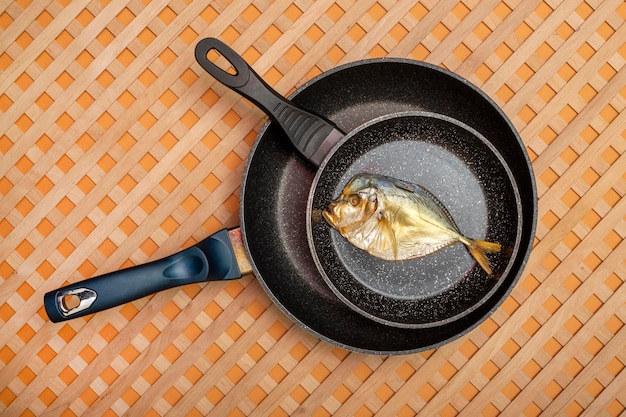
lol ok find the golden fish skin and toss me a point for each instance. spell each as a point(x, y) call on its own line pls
point(397, 220)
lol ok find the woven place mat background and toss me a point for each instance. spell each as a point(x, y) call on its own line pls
point(116, 149)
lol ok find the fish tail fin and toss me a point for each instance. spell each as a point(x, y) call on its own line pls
point(478, 248)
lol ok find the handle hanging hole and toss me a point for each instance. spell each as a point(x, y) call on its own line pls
point(70, 301)
point(221, 62)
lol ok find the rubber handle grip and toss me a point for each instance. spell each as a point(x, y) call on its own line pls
point(212, 259)
point(307, 131)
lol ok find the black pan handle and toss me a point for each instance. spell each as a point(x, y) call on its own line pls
point(212, 259)
point(311, 134)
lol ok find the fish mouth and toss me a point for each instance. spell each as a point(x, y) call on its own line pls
point(330, 218)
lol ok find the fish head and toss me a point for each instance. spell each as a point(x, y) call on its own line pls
point(352, 208)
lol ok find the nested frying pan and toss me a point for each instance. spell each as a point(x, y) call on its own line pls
point(276, 186)
point(468, 175)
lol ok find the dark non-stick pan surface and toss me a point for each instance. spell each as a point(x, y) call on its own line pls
point(467, 174)
point(277, 183)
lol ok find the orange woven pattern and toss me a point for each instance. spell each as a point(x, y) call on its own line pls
point(116, 149)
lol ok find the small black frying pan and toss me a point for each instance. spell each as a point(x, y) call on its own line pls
point(467, 174)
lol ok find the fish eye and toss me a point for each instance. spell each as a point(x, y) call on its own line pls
point(354, 200)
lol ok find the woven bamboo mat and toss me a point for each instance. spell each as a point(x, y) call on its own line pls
point(116, 149)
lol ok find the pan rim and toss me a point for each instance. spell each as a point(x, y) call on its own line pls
point(321, 266)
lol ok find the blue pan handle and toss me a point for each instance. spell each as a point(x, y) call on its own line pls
point(212, 259)
point(313, 135)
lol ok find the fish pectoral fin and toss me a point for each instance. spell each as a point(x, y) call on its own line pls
point(383, 244)
point(386, 235)
point(394, 243)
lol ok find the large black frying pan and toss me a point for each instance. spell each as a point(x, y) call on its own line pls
point(276, 186)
